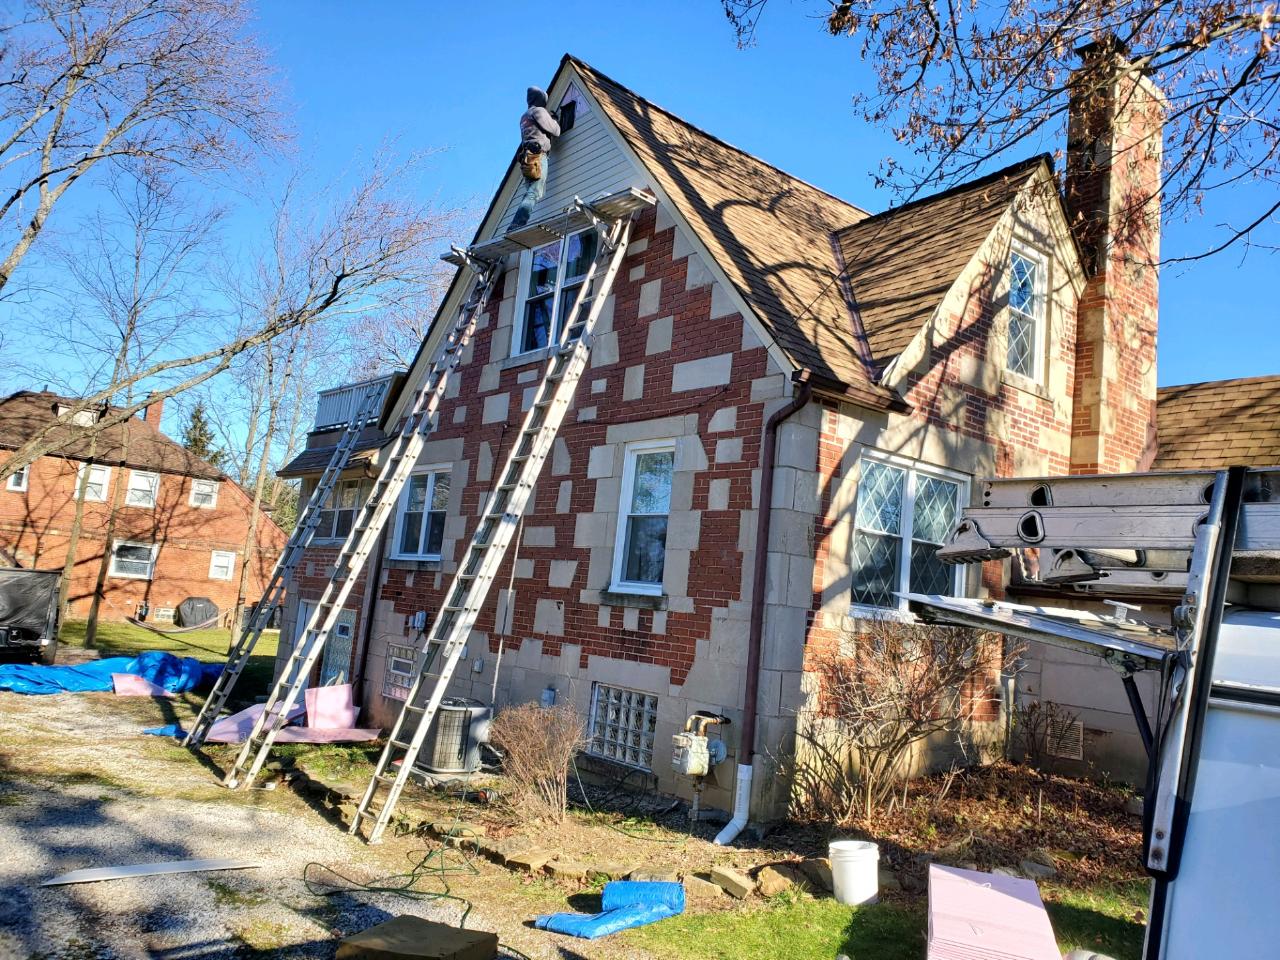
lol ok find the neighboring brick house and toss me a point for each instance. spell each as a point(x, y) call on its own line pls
point(179, 531)
point(883, 362)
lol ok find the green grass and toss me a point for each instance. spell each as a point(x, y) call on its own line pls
point(1101, 920)
point(126, 640)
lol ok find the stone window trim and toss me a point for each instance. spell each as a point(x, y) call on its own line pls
point(433, 472)
point(623, 598)
point(98, 484)
point(204, 494)
point(17, 482)
point(222, 564)
point(631, 453)
point(128, 567)
point(143, 490)
point(1027, 321)
point(564, 287)
point(915, 471)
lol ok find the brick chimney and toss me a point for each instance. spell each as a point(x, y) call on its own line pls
point(1112, 200)
point(153, 411)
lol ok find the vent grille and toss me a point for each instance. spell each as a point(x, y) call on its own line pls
point(1065, 738)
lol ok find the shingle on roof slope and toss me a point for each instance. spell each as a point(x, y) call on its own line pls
point(903, 261)
point(1219, 423)
point(25, 412)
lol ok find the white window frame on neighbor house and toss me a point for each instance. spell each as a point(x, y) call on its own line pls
point(433, 473)
point(615, 733)
point(124, 574)
point(914, 471)
point(89, 484)
point(331, 510)
point(557, 293)
point(207, 488)
point(1038, 318)
point(219, 559)
point(18, 480)
point(630, 455)
point(143, 482)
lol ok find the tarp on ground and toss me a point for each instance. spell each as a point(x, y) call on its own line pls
point(175, 674)
point(624, 904)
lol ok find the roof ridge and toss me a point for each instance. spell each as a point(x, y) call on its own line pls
point(1212, 383)
point(578, 62)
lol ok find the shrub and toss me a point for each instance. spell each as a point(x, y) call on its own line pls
point(539, 744)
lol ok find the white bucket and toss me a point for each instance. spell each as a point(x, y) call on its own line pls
point(855, 871)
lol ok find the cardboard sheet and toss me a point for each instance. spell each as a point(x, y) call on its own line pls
point(331, 708)
point(985, 916)
point(131, 685)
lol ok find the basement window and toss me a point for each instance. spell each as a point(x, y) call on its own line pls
point(142, 489)
point(551, 277)
point(419, 533)
point(97, 484)
point(640, 549)
point(17, 481)
point(623, 724)
point(222, 564)
point(904, 512)
point(133, 561)
point(1026, 315)
point(204, 494)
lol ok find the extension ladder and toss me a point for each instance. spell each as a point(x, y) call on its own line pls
point(503, 511)
point(401, 456)
point(273, 595)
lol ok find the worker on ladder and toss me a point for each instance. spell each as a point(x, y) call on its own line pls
point(538, 126)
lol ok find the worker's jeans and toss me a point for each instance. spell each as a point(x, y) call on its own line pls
point(534, 190)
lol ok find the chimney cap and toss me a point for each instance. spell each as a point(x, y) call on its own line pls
point(1106, 44)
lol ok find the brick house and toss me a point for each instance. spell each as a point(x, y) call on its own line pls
point(179, 531)
point(787, 402)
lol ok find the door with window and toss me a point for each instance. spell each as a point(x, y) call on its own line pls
point(335, 660)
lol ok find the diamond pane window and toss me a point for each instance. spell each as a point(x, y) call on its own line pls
point(623, 723)
point(1026, 314)
point(890, 502)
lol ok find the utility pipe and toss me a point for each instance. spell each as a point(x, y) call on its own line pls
point(755, 641)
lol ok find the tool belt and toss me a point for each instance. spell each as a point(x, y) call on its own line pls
point(530, 160)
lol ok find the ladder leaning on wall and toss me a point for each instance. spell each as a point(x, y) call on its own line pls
point(443, 643)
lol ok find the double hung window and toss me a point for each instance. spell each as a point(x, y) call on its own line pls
point(423, 506)
point(142, 490)
point(133, 561)
point(552, 276)
point(641, 546)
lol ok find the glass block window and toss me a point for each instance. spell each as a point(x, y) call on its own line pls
point(554, 273)
point(901, 516)
point(423, 507)
point(397, 678)
point(622, 725)
point(1026, 315)
point(641, 548)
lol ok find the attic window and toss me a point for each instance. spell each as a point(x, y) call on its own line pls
point(1026, 314)
point(81, 418)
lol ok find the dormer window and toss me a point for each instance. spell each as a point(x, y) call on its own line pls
point(81, 418)
point(551, 276)
point(1026, 314)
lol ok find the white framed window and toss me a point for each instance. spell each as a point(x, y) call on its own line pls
point(550, 277)
point(419, 532)
point(17, 481)
point(204, 494)
point(397, 677)
point(98, 483)
point(339, 514)
point(142, 490)
point(1027, 298)
point(640, 547)
point(904, 511)
point(623, 723)
point(222, 564)
point(133, 561)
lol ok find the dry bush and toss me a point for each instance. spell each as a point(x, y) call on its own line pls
point(1039, 728)
point(891, 686)
point(539, 744)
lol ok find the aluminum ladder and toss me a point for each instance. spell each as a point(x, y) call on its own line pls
point(273, 595)
point(402, 456)
point(502, 513)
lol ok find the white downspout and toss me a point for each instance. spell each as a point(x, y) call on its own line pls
point(741, 806)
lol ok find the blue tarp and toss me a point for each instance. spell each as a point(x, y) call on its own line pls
point(624, 904)
point(175, 674)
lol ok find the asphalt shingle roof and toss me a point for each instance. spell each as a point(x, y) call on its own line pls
point(1219, 423)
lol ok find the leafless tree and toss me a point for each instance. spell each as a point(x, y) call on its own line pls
point(173, 85)
point(890, 687)
point(962, 83)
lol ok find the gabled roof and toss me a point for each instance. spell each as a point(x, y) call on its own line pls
point(25, 412)
point(903, 261)
point(1219, 423)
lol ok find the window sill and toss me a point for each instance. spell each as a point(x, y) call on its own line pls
point(414, 563)
point(862, 611)
point(1025, 384)
point(622, 597)
point(525, 359)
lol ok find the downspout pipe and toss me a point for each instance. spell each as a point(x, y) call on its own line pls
point(755, 640)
